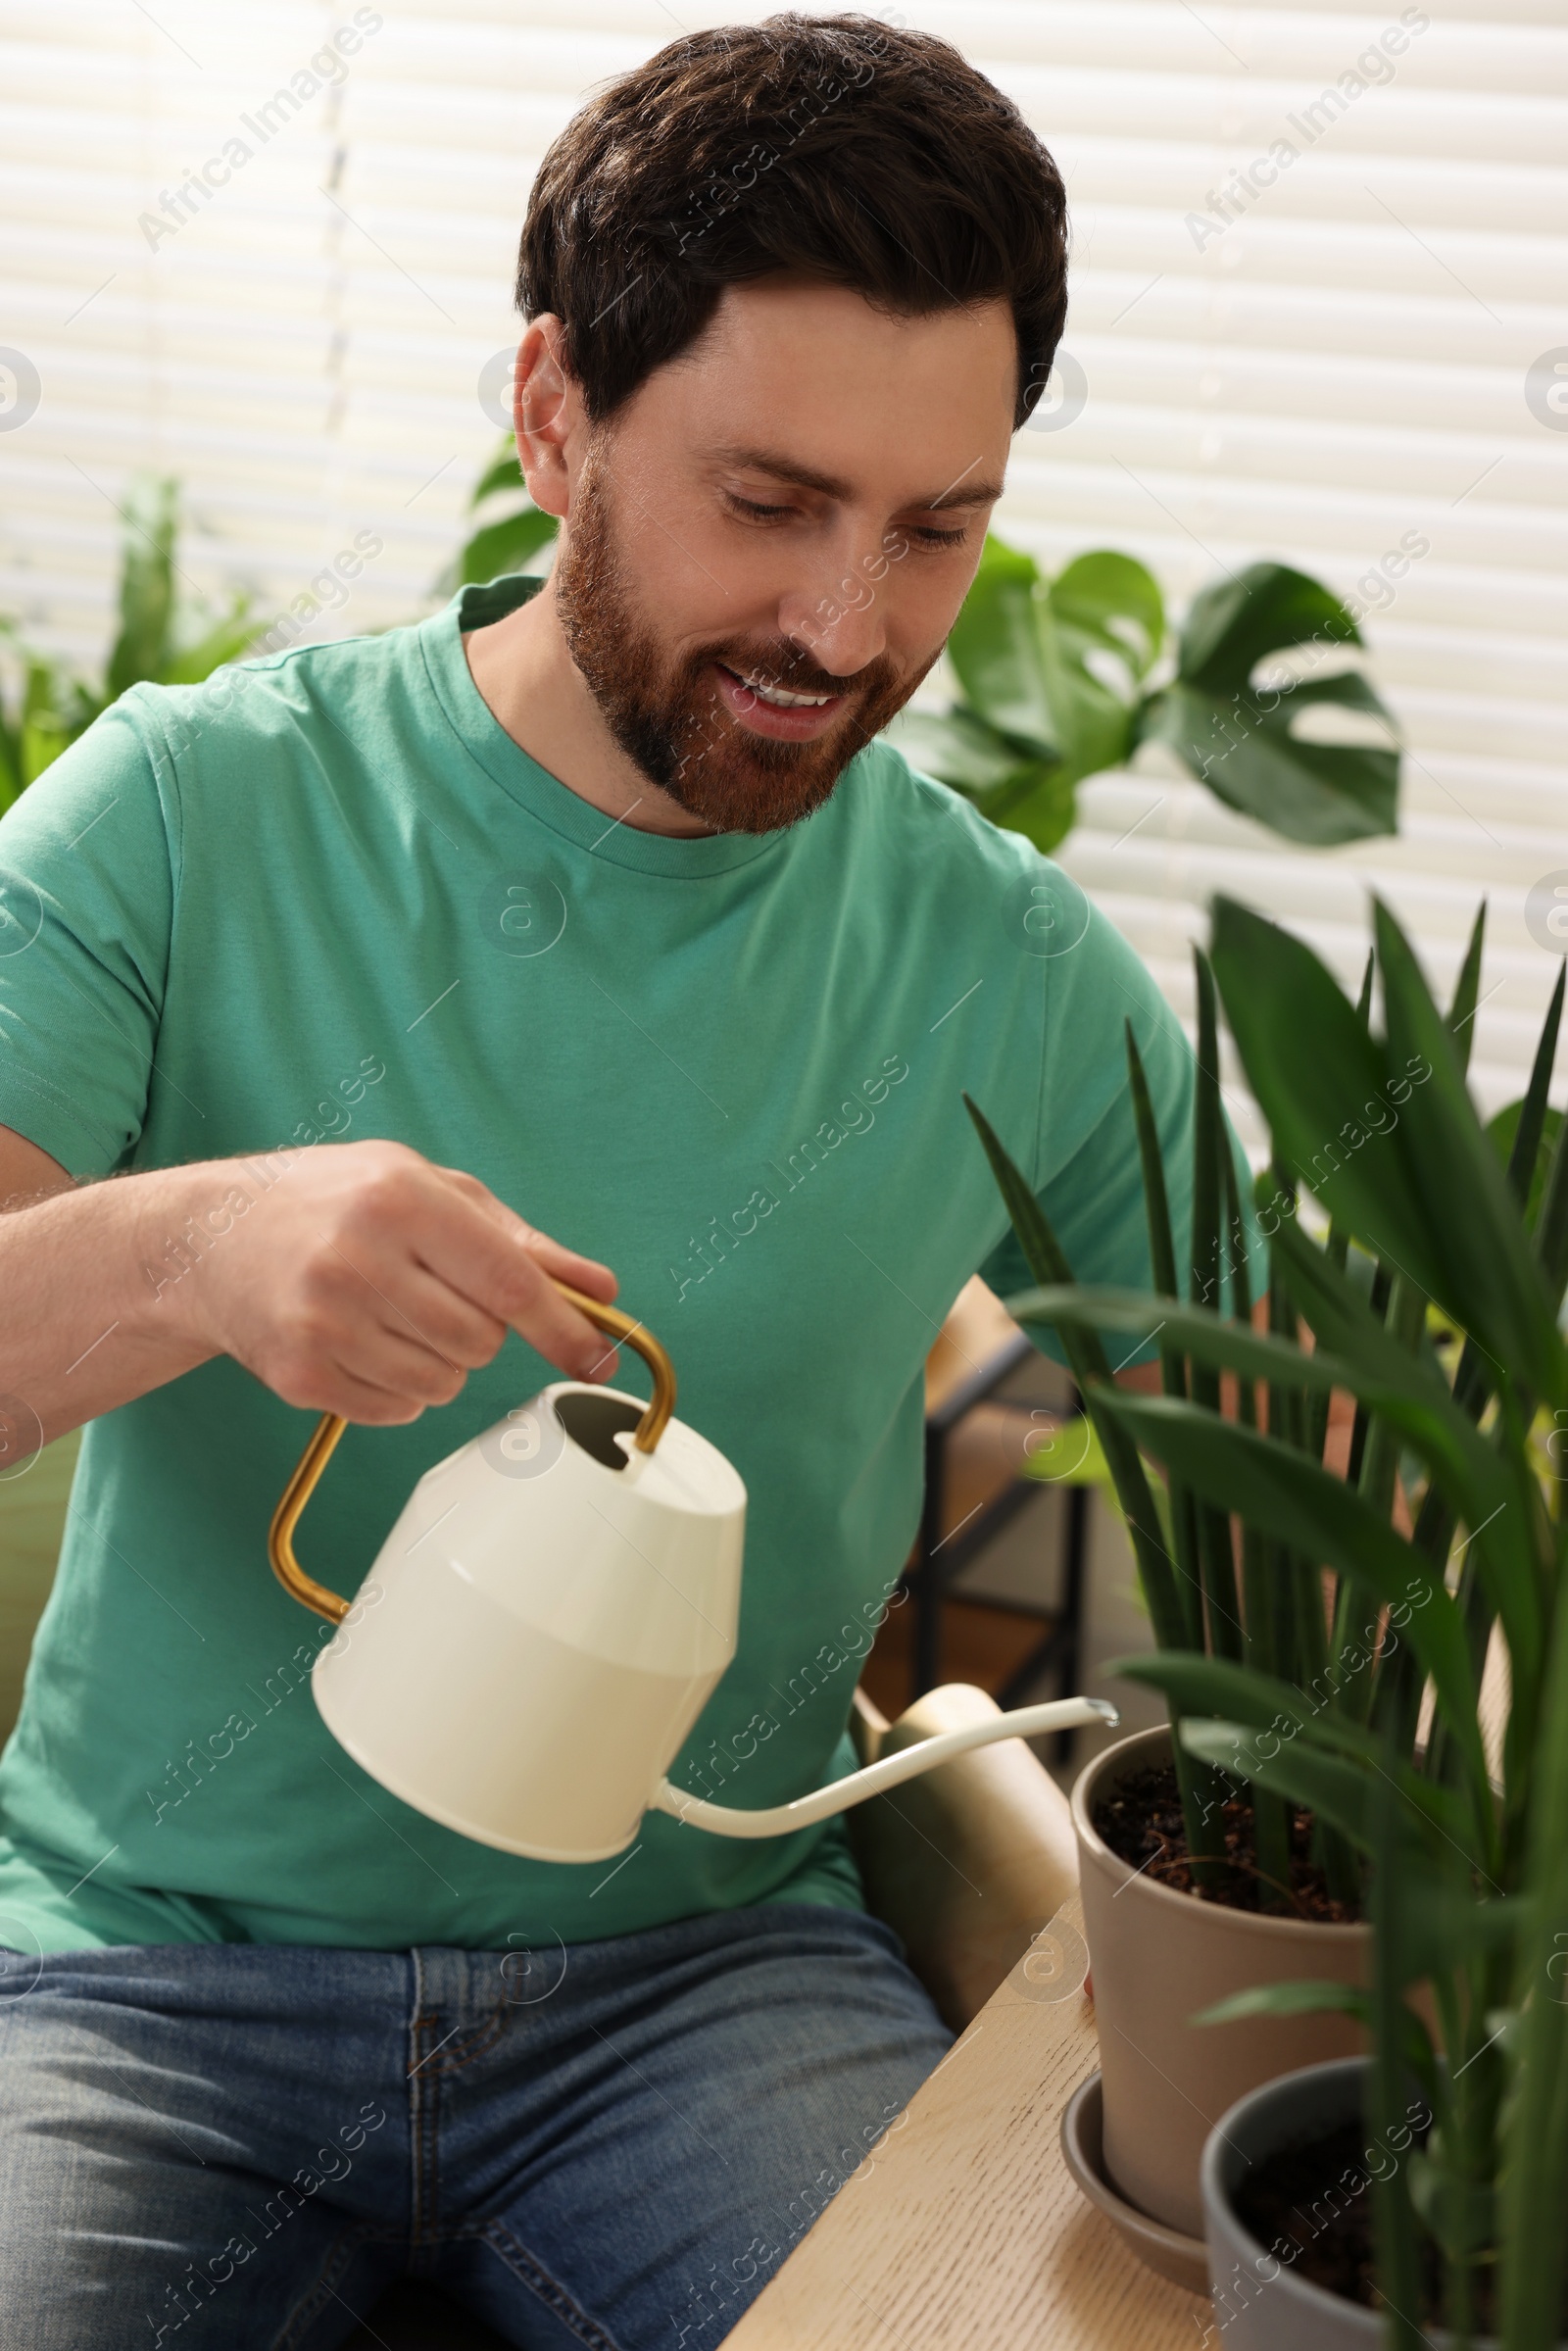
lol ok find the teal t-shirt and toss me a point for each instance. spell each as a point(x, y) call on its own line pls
point(326, 896)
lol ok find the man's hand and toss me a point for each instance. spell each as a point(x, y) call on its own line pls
point(369, 1282)
point(352, 1277)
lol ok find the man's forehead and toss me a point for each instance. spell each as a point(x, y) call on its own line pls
point(791, 332)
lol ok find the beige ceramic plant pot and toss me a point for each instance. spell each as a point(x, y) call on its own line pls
point(1157, 1957)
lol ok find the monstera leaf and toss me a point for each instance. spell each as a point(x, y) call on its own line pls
point(1247, 741)
point(1102, 625)
point(1003, 777)
point(1049, 671)
point(996, 649)
point(1055, 679)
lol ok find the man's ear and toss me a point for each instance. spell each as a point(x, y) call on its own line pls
point(546, 404)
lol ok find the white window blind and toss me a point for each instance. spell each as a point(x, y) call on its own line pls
point(1314, 354)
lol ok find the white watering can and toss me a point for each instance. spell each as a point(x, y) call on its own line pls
point(548, 1619)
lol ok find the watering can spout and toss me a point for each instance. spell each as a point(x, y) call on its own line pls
point(777, 1820)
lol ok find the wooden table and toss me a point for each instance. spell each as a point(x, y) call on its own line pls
point(964, 2230)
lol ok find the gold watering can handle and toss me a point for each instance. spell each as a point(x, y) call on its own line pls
point(329, 1428)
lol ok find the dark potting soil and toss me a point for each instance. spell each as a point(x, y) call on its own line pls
point(1141, 1820)
point(1310, 2206)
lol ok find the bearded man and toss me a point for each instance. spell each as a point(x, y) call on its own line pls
point(589, 929)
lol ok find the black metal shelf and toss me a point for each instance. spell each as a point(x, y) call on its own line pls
point(939, 1560)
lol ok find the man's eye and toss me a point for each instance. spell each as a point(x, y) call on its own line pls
point(756, 511)
point(937, 538)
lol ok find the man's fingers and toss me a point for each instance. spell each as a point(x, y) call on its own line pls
point(583, 1273)
point(566, 1265)
point(410, 1303)
point(491, 1257)
point(355, 1393)
point(561, 1331)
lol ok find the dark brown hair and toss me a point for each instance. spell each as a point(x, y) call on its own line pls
point(832, 146)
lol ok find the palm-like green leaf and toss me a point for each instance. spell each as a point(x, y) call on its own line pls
point(1335, 1790)
point(1386, 1134)
point(1466, 1880)
point(1472, 1222)
point(1309, 1995)
point(1289, 1496)
point(1535, 2165)
point(1361, 1360)
point(1503, 1130)
point(224, 641)
point(146, 587)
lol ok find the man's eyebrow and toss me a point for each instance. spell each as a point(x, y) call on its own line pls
point(964, 491)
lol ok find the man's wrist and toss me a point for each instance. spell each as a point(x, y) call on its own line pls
point(184, 1220)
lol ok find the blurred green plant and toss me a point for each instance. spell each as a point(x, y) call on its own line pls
point(1339, 1676)
point(514, 533)
point(162, 638)
point(1062, 678)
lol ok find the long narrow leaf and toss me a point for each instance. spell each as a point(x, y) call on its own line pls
point(1275, 1714)
point(1467, 991)
point(1394, 1382)
point(1289, 1496)
point(1486, 1274)
point(1157, 1199)
point(1534, 2168)
point(1090, 1368)
point(1385, 2098)
point(1334, 1788)
point(1316, 1074)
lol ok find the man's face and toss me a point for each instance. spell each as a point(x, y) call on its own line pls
point(765, 547)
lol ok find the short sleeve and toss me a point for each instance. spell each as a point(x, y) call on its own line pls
point(88, 863)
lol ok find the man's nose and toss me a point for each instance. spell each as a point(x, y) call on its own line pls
point(841, 625)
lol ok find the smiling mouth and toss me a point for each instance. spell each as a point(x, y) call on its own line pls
point(777, 698)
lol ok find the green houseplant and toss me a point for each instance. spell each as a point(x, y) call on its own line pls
point(1450, 1348)
point(1061, 678)
point(159, 638)
point(1274, 1902)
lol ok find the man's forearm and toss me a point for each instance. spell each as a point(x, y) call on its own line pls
point(356, 1278)
point(92, 1281)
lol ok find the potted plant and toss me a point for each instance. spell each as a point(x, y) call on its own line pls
point(1195, 1887)
point(1461, 2112)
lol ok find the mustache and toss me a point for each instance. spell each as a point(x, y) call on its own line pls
point(786, 666)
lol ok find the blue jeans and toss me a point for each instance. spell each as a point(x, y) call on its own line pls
point(227, 2147)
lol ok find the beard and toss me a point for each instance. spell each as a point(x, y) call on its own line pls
point(665, 713)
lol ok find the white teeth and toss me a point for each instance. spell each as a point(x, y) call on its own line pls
point(782, 700)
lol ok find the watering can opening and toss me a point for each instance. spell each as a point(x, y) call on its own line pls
point(594, 1421)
